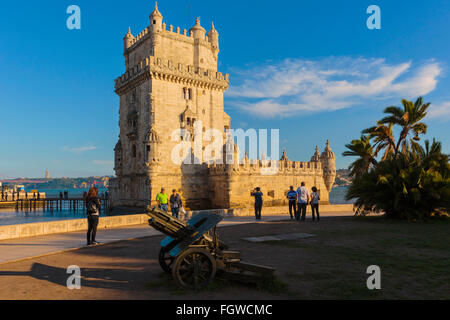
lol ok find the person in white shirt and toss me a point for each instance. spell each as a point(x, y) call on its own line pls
point(302, 202)
point(315, 197)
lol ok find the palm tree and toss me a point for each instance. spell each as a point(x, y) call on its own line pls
point(383, 138)
point(431, 157)
point(409, 119)
point(363, 149)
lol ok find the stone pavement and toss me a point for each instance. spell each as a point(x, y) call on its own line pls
point(25, 248)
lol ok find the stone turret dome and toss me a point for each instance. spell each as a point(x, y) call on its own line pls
point(327, 153)
point(197, 31)
point(213, 31)
point(128, 35)
point(156, 12)
point(316, 156)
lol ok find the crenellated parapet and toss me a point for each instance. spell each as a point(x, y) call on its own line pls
point(168, 70)
point(280, 167)
point(195, 36)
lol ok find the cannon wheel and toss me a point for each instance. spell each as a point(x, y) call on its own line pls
point(194, 268)
point(165, 260)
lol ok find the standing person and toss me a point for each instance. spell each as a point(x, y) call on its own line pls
point(84, 195)
point(163, 199)
point(292, 197)
point(175, 203)
point(302, 202)
point(315, 197)
point(93, 206)
point(258, 202)
point(3, 195)
point(26, 195)
point(61, 195)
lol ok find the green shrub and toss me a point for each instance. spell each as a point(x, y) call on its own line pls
point(409, 181)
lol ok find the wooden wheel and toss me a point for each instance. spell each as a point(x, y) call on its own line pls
point(194, 268)
point(165, 260)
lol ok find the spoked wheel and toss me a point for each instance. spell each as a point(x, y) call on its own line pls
point(165, 260)
point(194, 269)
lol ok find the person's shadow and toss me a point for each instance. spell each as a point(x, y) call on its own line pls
point(90, 277)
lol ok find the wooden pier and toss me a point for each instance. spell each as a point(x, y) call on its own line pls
point(56, 204)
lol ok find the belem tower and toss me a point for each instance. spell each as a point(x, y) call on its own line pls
point(171, 82)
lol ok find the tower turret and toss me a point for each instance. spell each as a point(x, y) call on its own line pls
point(156, 19)
point(213, 38)
point(328, 160)
point(316, 155)
point(213, 35)
point(128, 40)
point(197, 31)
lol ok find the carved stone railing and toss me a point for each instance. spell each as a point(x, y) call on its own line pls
point(164, 69)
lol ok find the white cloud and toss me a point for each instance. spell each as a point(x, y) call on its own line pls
point(296, 86)
point(439, 111)
point(103, 162)
point(79, 149)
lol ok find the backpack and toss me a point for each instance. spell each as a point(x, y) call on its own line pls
point(91, 206)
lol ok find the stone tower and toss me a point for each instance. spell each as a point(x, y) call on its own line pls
point(328, 160)
point(170, 94)
point(170, 83)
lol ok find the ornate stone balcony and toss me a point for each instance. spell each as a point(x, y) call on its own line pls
point(164, 69)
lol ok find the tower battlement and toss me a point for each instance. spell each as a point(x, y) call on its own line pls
point(162, 68)
point(171, 33)
point(193, 47)
point(271, 166)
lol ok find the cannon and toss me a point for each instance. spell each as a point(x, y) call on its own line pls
point(193, 253)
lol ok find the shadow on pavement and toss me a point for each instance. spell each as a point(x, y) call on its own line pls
point(104, 278)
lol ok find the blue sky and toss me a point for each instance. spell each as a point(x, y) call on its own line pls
point(310, 68)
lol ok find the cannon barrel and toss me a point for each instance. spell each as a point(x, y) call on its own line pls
point(164, 222)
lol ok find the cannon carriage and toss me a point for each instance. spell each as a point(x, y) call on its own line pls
point(193, 253)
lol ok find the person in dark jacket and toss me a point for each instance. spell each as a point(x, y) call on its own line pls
point(292, 197)
point(315, 197)
point(175, 203)
point(258, 202)
point(93, 206)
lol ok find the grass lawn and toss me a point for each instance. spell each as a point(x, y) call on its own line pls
point(414, 259)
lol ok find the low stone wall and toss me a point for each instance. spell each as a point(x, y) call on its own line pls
point(62, 226)
point(278, 210)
